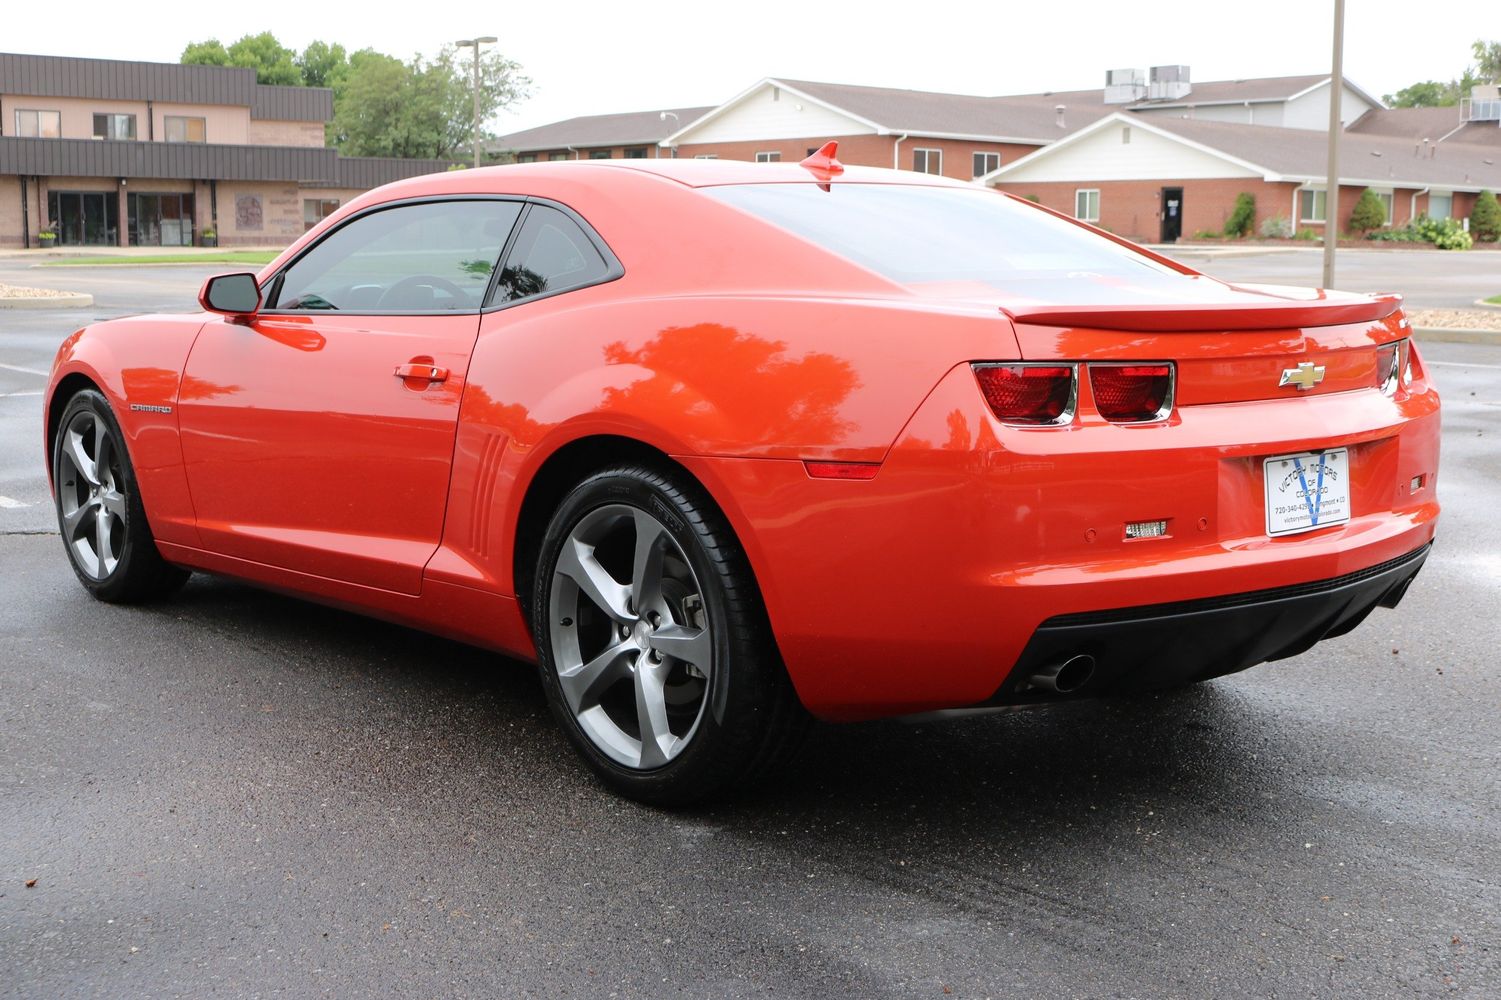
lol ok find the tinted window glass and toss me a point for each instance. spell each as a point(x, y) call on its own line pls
point(436, 257)
point(551, 254)
point(914, 234)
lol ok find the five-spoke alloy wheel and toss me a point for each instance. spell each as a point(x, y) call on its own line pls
point(655, 650)
point(99, 510)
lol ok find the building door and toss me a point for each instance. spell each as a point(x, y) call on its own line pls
point(161, 220)
point(84, 218)
point(1172, 214)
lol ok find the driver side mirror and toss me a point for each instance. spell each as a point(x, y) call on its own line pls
point(234, 295)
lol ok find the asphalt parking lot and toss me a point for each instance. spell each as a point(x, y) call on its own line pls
point(239, 794)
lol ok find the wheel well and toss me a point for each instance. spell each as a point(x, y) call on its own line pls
point(563, 470)
point(70, 386)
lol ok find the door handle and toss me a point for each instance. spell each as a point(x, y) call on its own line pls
point(427, 373)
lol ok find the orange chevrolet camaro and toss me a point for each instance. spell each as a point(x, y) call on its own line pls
point(726, 446)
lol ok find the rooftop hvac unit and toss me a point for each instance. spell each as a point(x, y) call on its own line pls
point(1168, 83)
point(1124, 86)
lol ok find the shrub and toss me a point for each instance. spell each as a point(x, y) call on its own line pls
point(1034, 199)
point(1243, 217)
point(1369, 213)
point(1276, 228)
point(1485, 218)
point(1307, 234)
point(1446, 234)
point(1207, 234)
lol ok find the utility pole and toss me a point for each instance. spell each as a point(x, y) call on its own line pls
point(475, 43)
point(1331, 191)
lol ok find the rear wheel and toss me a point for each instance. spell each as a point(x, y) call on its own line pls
point(655, 651)
point(99, 510)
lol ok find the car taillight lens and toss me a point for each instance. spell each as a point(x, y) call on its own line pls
point(1132, 394)
point(1393, 368)
point(1033, 395)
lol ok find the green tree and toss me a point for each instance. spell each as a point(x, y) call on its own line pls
point(209, 53)
point(1369, 213)
point(1425, 94)
point(1485, 218)
point(1243, 217)
point(272, 61)
point(1487, 61)
point(323, 65)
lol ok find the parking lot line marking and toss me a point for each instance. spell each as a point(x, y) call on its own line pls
point(1457, 364)
point(23, 371)
point(8, 504)
point(7, 395)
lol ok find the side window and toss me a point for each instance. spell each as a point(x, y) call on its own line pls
point(432, 257)
point(551, 254)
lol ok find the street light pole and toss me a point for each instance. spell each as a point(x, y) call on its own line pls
point(475, 43)
point(1331, 190)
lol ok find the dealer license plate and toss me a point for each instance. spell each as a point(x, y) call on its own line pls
point(1307, 491)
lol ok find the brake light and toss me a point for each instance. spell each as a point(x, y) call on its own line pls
point(1393, 366)
point(1030, 395)
point(1131, 393)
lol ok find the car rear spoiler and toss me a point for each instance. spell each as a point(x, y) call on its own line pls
point(1200, 317)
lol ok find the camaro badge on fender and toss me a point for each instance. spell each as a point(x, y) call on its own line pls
point(1305, 376)
point(149, 408)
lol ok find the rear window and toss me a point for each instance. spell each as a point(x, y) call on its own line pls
point(923, 235)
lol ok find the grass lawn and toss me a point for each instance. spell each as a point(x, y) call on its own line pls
point(227, 257)
point(1494, 300)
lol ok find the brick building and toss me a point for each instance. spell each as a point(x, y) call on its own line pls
point(108, 152)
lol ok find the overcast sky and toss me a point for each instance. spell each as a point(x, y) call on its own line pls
point(596, 56)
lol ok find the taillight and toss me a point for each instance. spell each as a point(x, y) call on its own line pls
point(1031, 395)
point(1393, 366)
point(1132, 393)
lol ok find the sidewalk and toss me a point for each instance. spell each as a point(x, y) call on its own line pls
point(39, 255)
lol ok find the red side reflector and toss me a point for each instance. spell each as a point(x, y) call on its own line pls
point(1132, 394)
point(842, 470)
point(1028, 394)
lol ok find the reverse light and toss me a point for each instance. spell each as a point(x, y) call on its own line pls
point(1030, 395)
point(1393, 366)
point(1132, 393)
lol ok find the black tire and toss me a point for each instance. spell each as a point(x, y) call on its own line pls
point(751, 721)
point(133, 570)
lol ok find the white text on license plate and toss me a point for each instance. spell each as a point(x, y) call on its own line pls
point(1307, 491)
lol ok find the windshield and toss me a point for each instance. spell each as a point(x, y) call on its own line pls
point(934, 235)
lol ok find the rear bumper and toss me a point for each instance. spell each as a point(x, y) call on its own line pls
point(924, 588)
point(1166, 645)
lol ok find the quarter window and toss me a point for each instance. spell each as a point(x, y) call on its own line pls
point(433, 257)
point(986, 162)
point(39, 124)
point(179, 128)
point(114, 126)
point(552, 254)
point(1087, 205)
point(927, 161)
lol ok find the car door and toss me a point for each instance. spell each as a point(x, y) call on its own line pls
point(318, 437)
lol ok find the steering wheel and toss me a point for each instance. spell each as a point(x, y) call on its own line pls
point(392, 295)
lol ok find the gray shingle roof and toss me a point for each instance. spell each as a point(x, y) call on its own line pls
point(1434, 124)
point(633, 128)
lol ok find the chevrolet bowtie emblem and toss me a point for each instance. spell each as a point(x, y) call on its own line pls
point(1305, 376)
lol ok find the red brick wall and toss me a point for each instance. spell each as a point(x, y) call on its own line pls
point(1132, 208)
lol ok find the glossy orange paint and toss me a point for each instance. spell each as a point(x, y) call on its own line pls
point(298, 458)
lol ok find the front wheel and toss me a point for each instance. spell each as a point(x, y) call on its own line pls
point(655, 651)
point(99, 509)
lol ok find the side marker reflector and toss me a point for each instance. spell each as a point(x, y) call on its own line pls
point(842, 470)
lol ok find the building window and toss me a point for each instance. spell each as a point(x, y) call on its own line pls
point(526, 157)
point(636, 153)
point(1311, 205)
point(183, 129)
point(114, 126)
point(1125, 135)
point(600, 154)
point(986, 162)
point(1385, 197)
point(39, 124)
point(770, 157)
point(315, 210)
point(1440, 206)
point(927, 161)
point(707, 156)
point(557, 156)
point(1087, 204)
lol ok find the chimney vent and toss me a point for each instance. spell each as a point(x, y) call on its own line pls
point(1058, 110)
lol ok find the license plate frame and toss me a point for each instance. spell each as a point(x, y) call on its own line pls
point(1306, 491)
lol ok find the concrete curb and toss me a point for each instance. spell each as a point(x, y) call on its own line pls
point(73, 300)
point(1449, 335)
point(1487, 305)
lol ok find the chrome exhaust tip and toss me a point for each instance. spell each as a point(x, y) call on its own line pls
point(1065, 676)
